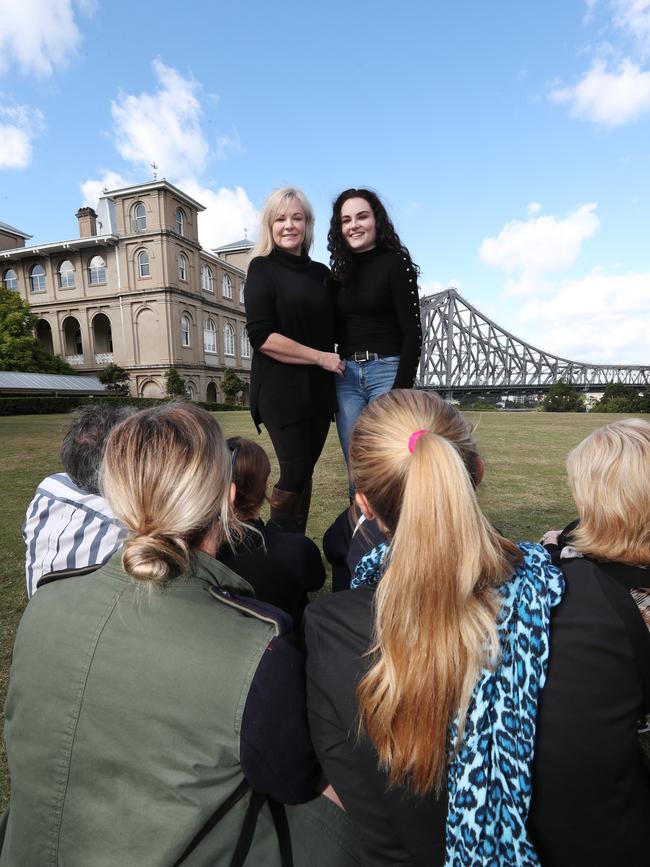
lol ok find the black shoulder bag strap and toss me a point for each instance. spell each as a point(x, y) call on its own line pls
point(637, 631)
point(243, 845)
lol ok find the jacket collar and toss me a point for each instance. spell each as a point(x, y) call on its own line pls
point(203, 568)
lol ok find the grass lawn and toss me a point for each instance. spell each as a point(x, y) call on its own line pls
point(524, 491)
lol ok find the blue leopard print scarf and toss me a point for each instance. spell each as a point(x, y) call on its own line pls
point(489, 779)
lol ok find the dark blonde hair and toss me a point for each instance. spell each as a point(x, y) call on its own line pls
point(609, 476)
point(251, 470)
point(436, 605)
point(166, 475)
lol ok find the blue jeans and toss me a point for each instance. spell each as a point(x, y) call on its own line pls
point(361, 383)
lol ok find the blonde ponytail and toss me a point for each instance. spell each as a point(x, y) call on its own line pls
point(436, 606)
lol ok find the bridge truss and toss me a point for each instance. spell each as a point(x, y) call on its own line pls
point(463, 350)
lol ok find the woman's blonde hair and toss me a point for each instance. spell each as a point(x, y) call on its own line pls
point(277, 202)
point(609, 476)
point(166, 476)
point(436, 605)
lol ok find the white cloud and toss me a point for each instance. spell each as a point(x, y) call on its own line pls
point(164, 126)
point(92, 189)
point(228, 212)
point(39, 35)
point(19, 125)
point(528, 250)
point(601, 318)
point(533, 207)
point(607, 98)
point(633, 16)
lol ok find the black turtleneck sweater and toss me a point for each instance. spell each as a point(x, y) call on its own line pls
point(379, 311)
point(289, 295)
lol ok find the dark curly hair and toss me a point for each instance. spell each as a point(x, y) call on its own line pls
point(341, 257)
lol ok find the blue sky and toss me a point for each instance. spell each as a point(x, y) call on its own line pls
point(510, 140)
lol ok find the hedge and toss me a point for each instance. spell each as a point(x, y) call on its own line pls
point(46, 405)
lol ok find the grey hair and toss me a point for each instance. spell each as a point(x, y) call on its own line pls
point(83, 445)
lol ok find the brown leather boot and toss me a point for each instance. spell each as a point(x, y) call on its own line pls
point(285, 503)
point(303, 510)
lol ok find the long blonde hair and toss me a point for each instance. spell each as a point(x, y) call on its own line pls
point(166, 475)
point(609, 476)
point(277, 202)
point(436, 605)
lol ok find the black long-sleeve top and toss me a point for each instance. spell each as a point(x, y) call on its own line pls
point(378, 310)
point(289, 295)
point(281, 567)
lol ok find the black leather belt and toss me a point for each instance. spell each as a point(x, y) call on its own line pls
point(364, 356)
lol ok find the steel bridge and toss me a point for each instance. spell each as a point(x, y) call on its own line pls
point(464, 351)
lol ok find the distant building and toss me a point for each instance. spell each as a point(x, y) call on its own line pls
point(137, 289)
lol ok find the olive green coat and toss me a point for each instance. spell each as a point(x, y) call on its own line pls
point(122, 727)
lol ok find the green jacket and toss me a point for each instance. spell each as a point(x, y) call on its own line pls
point(122, 726)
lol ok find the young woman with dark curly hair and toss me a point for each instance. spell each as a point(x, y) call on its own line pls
point(378, 313)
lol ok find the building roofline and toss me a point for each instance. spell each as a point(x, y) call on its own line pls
point(162, 184)
point(58, 247)
point(213, 257)
point(244, 244)
point(6, 229)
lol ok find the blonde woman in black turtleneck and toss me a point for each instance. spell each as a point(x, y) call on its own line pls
point(378, 329)
point(290, 322)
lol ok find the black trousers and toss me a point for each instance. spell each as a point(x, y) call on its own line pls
point(298, 447)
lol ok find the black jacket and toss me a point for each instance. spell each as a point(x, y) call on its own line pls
point(288, 295)
point(282, 567)
point(591, 793)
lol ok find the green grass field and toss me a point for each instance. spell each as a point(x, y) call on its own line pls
point(524, 491)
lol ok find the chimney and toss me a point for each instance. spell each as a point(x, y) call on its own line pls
point(87, 222)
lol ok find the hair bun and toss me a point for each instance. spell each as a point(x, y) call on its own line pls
point(151, 556)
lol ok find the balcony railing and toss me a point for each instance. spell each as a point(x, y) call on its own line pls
point(77, 360)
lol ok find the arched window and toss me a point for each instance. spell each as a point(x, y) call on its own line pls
point(72, 339)
point(207, 279)
point(228, 339)
point(139, 218)
point(242, 286)
point(180, 222)
point(185, 330)
point(37, 278)
point(245, 345)
point(10, 279)
point(97, 271)
point(143, 264)
point(66, 275)
point(226, 286)
point(182, 267)
point(209, 336)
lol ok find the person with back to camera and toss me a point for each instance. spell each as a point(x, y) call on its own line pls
point(281, 564)
point(68, 524)
point(155, 713)
point(290, 323)
point(429, 739)
point(591, 802)
point(378, 309)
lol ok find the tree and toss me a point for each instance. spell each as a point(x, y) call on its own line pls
point(116, 379)
point(563, 397)
point(175, 384)
point(231, 386)
point(622, 398)
point(19, 348)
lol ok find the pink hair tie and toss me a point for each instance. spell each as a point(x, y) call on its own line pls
point(415, 436)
